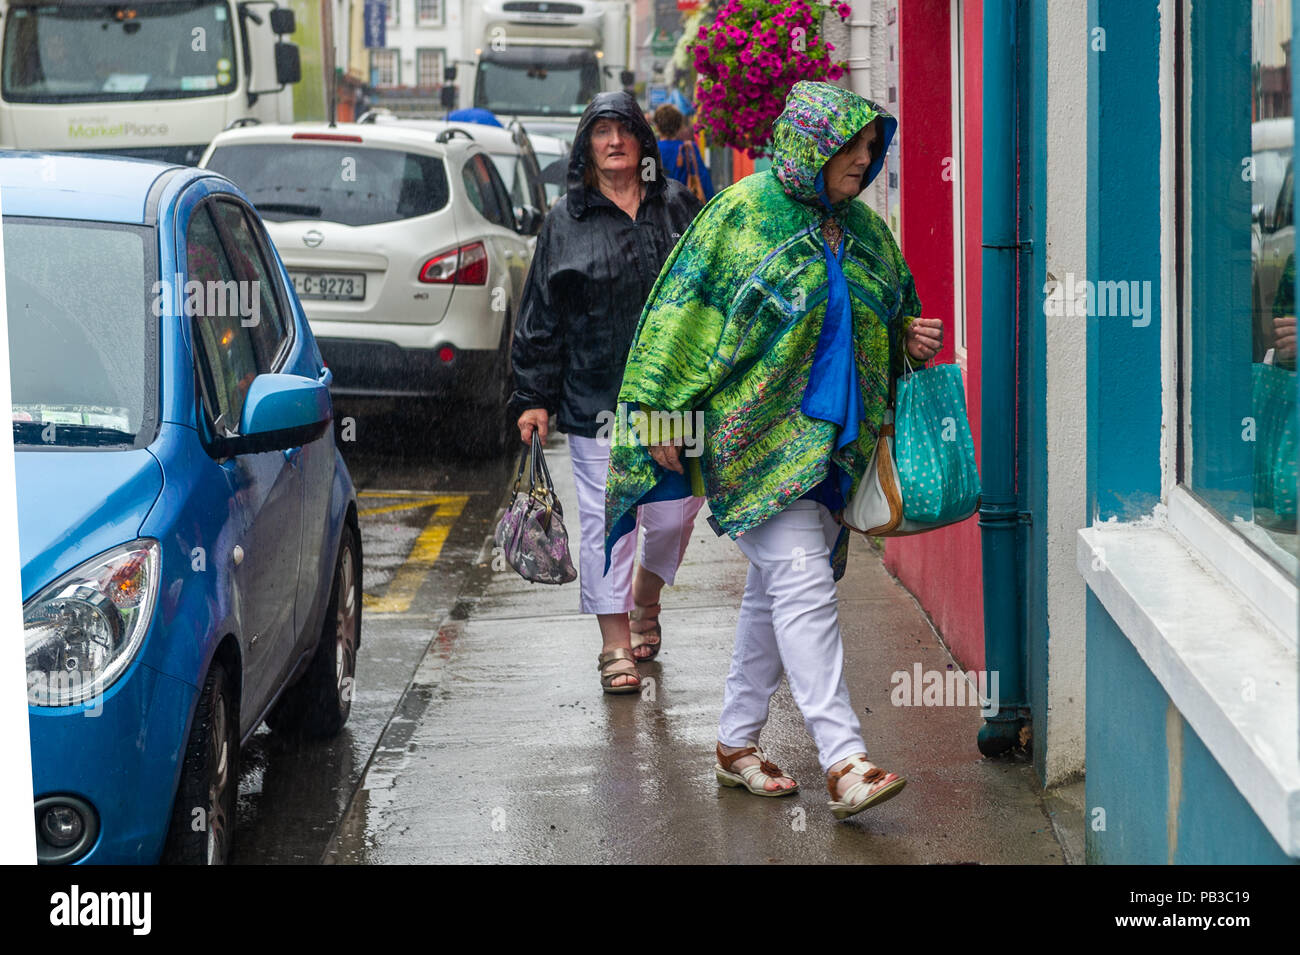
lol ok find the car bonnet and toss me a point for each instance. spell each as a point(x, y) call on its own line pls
point(73, 505)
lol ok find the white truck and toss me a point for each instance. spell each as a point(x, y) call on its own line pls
point(155, 80)
point(543, 60)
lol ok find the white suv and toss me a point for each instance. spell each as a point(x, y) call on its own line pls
point(511, 149)
point(404, 249)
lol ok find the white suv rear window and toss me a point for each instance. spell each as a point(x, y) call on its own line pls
point(351, 185)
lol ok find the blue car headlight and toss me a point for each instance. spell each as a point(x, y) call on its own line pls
point(83, 630)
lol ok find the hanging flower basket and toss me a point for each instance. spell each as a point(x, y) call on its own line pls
point(749, 56)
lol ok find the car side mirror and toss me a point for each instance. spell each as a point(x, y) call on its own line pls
point(282, 21)
point(280, 412)
point(288, 65)
point(529, 219)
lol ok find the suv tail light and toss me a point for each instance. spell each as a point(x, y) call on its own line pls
point(467, 265)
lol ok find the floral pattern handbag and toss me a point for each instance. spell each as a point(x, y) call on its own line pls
point(531, 533)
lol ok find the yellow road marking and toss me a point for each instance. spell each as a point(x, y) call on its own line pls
point(422, 494)
point(405, 506)
point(428, 546)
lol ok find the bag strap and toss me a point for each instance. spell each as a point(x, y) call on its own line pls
point(539, 468)
point(910, 366)
point(519, 471)
point(534, 452)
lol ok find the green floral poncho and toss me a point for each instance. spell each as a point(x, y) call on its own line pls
point(727, 337)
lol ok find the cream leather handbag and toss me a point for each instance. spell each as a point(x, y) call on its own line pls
point(876, 508)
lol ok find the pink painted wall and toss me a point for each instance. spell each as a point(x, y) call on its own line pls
point(943, 568)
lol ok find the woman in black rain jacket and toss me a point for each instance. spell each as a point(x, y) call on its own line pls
point(597, 258)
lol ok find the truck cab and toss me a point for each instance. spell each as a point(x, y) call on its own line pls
point(149, 79)
point(548, 59)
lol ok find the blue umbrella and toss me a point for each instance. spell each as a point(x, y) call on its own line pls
point(678, 99)
point(483, 117)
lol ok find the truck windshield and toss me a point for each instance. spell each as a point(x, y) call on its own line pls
point(80, 341)
point(536, 88)
point(82, 53)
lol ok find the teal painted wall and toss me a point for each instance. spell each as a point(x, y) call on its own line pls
point(1131, 726)
point(1137, 743)
point(1124, 370)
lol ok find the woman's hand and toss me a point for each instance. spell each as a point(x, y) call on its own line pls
point(1285, 337)
point(534, 419)
point(924, 338)
point(668, 456)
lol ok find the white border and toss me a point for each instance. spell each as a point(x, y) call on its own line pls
point(17, 832)
point(957, 98)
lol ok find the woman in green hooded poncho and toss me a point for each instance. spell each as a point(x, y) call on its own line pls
point(769, 343)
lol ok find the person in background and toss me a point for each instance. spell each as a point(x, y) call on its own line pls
point(681, 157)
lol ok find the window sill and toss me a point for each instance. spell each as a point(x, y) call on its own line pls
point(1206, 644)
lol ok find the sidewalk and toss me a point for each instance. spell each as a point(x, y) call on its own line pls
point(504, 749)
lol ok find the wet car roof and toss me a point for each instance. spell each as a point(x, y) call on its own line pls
point(80, 186)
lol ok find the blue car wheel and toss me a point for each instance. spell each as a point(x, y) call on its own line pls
point(203, 816)
point(319, 704)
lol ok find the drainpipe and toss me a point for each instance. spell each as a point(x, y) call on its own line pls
point(862, 28)
point(999, 511)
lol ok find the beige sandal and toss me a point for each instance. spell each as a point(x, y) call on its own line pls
point(875, 787)
point(642, 614)
point(753, 778)
point(605, 663)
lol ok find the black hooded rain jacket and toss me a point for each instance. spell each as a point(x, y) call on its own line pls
point(592, 272)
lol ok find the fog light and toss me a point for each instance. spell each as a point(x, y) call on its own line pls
point(67, 828)
point(446, 353)
point(62, 826)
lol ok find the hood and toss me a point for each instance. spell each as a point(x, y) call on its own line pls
point(818, 119)
point(622, 106)
point(73, 505)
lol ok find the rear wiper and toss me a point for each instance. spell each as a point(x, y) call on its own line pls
point(76, 435)
point(292, 207)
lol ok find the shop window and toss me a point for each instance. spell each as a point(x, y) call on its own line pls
point(1238, 391)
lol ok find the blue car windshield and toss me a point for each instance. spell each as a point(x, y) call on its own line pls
point(80, 342)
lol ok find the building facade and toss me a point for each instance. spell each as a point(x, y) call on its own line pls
point(1098, 198)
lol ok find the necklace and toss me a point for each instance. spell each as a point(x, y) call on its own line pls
point(833, 232)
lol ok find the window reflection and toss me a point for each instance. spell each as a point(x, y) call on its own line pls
point(1273, 273)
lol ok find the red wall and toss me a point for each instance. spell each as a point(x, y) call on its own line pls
point(942, 568)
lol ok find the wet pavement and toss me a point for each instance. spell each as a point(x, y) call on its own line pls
point(479, 732)
point(423, 516)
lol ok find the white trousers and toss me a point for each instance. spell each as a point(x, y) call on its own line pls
point(789, 621)
point(665, 526)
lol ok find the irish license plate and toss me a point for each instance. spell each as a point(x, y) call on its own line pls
point(336, 286)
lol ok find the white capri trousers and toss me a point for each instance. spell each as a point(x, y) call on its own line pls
point(789, 620)
point(665, 526)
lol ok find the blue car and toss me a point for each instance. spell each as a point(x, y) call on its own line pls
point(191, 561)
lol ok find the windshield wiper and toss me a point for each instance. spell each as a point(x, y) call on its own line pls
point(292, 207)
point(69, 435)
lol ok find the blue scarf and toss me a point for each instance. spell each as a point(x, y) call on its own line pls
point(832, 393)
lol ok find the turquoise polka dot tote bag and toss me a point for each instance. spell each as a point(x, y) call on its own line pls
point(922, 474)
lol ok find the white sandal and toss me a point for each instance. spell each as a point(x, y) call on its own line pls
point(875, 787)
point(753, 778)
